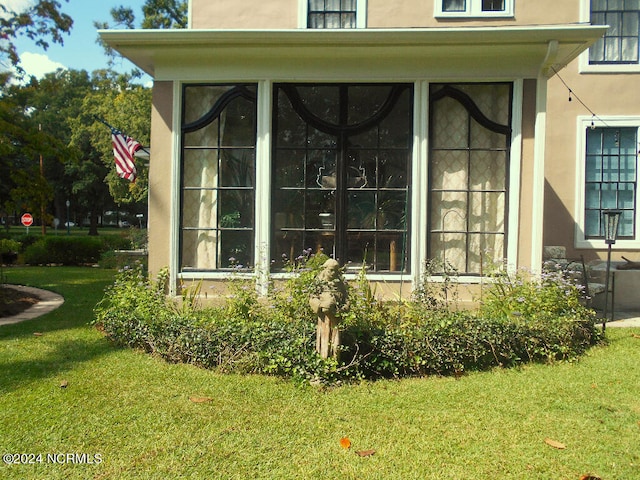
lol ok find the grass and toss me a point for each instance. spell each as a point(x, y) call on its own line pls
point(135, 411)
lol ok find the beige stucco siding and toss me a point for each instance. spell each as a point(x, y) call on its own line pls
point(612, 95)
point(284, 14)
point(160, 177)
point(244, 14)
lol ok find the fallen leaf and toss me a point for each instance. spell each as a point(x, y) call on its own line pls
point(64, 384)
point(635, 335)
point(366, 453)
point(555, 444)
point(590, 476)
point(37, 334)
point(201, 399)
point(345, 443)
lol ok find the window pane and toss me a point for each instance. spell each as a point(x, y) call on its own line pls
point(492, 5)
point(392, 211)
point(454, 5)
point(291, 167)
point(630, 49)
point(626, 196)
point(236, 249)
point(593, 169)
point(361, 212)
point(592, 197)
point(237, 168)
point(625, 226)
point(592, 223)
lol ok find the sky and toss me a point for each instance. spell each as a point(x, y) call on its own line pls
point(80, 50)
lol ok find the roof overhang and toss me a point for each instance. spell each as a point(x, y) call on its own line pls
point(480, 52)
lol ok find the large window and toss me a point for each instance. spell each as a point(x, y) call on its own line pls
point(620, 43)
point(218, 177)
point(474, 8)
point(470, 138)
point(341, 173)
point(611, 176)
point(332, 14)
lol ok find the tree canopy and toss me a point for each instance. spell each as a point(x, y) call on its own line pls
point(56, 119)
point(41, 21)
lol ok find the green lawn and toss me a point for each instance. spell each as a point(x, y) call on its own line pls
point(134, 412)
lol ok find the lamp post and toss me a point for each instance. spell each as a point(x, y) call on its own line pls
point(611, 220)
point(68, 204)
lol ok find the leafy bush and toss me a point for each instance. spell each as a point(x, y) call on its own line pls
point(64, 250)
point(380, 339)
point(9, 250)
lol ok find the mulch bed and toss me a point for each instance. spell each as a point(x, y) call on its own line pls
point(14, 301)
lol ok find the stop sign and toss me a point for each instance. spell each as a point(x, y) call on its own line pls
point(27, 219)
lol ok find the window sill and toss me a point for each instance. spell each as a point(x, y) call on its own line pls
point(600, 245)
point(603, 69)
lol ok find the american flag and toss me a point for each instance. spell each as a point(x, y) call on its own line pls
point(124, 149)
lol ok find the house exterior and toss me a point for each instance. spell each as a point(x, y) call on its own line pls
point(389, 133)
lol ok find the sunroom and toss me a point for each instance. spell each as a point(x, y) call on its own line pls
point(381, 148)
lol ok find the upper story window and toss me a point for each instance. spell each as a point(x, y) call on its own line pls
point(328, 14)
point(474, 8)
point(619, 46)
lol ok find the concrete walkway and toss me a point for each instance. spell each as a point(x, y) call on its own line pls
point(48, 301)
point(625, 319)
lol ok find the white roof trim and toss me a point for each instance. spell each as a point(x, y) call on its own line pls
point(457, 48)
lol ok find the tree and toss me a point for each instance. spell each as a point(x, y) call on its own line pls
point(41, 21)
point(56, 118)
point(156, 14)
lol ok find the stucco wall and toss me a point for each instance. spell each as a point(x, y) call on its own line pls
point(283, 14)
point(160, 176)
point(420, 13)
point(606, 95)
point(244, 14)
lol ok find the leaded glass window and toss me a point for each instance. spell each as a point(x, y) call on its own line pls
point(470, 137)
point(620, 44)
point(611, 179)
point(341, 173)
point(218, 177)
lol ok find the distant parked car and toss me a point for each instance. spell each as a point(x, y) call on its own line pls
point(69, 224)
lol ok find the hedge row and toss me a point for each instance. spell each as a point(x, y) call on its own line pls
point(71, 250)
point(381, 340)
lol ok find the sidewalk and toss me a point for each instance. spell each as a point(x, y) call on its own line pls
point(48, 301)
point(625, 319)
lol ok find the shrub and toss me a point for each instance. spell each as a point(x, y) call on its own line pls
point(67, 250)
point(9, 250)
point(380, 339)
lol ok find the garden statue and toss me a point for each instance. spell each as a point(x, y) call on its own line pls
point(326, 303)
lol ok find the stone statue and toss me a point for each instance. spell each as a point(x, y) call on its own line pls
point(326, 303)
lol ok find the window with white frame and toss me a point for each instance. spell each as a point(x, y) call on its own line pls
point(619, 46)
point(332, 14)
point(610, 179)
point(470, 138)
point(217, 202)
point(474, 8)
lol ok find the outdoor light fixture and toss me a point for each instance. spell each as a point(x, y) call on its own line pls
point(611, 221)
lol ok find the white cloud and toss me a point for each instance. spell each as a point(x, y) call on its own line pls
point(17, 5)
point(38, 65)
